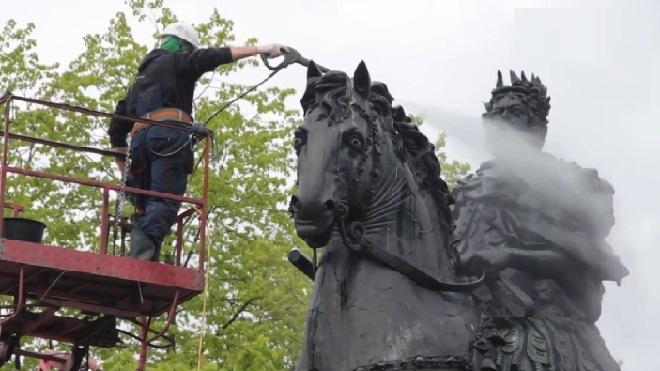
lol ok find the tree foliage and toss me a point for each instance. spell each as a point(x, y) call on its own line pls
point(451, 171)
point(253, 315)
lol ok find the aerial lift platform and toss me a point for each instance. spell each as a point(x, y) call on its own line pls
point(103, 288)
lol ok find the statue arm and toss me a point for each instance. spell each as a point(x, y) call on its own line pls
point(495, 234)
point(545, 262)
point(542, 262)
point(489, 238)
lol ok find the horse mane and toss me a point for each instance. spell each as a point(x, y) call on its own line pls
point(424, 161)
point(333, 94)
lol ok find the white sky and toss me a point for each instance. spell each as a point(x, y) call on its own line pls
point(601, 66)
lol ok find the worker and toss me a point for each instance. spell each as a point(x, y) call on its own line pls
point(162, 157)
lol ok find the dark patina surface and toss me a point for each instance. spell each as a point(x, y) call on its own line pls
point(395, 289)
point(385, 294)
point(541, 223)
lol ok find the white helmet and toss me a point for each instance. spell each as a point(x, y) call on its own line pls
point(183, 31)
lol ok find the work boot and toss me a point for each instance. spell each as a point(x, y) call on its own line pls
point(142, 247)
point(156, 255)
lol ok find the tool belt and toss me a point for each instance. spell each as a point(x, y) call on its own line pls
point(162, 114)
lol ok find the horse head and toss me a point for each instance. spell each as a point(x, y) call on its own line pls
point(338, 146)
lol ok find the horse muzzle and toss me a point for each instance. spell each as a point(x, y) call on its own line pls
point(313, 219)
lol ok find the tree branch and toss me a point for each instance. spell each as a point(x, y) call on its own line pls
point(294, 295)
point(238, 313)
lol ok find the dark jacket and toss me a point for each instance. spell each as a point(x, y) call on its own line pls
point(164, 80)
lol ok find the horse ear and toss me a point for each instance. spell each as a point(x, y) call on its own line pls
point(399, 113)
point(313, 70)
point(362, 80)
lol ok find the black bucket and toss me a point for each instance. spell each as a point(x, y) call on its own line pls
point(23, 229)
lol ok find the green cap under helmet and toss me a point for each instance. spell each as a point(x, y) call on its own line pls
point(174, 44)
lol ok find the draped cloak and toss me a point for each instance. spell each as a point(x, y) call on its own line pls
point(541, 204)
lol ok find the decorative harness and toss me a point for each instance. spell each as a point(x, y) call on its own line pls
point(354, 238)
point(353, 235)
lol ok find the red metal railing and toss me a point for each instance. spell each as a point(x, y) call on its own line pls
point(201, 203)
point(15, 210)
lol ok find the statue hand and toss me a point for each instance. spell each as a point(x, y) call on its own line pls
point(490, 259)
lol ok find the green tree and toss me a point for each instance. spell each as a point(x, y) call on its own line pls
point(451, 171)
point(253, 315)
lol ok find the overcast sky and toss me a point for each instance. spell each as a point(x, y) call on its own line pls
point(600, 63)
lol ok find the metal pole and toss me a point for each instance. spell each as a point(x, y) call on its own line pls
point(105, 222)
point(144, 332)
point(3, 164)
point(205, 206)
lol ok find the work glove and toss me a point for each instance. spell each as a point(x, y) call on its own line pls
point(200, 131)
point(199, 128)
point(273, 50)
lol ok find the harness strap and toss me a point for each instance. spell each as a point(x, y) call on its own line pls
point(162, 114)
point(516, 301)
point(355, 239)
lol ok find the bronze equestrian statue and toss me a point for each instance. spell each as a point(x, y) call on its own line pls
point(369, 193)
point(391, 291)
point(541, 223)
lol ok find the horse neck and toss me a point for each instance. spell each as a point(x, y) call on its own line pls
point(403, 220)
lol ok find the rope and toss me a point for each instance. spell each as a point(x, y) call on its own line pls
point(204, 306)
point(208, 250)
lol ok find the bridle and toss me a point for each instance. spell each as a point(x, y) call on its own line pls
point(353, 232)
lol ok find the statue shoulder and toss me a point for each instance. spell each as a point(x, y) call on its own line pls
point(599, 183)
point(592, 179)
point(485, 183)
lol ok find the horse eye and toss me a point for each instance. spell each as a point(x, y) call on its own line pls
point(298, 141)
point(356, 143)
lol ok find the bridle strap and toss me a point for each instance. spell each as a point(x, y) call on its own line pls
point(354, 238)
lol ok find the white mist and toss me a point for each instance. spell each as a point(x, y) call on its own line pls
point(625, 158)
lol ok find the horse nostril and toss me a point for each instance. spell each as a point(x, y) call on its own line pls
point(329, 205)
point(294, 203)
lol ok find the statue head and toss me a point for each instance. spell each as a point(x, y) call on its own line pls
point(520, 108)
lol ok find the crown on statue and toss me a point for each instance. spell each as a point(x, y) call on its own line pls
point(530, 92)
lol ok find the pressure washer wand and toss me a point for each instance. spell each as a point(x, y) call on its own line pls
point(291, 57)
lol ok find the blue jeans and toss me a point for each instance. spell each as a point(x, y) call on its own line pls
point(154, 168)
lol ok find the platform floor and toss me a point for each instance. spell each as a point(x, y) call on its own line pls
point(101, 284)
point(96, 332)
